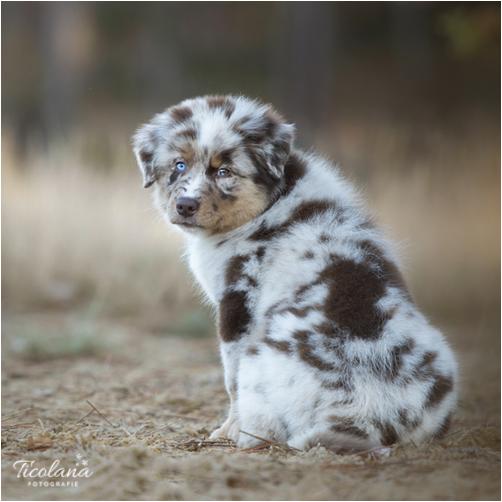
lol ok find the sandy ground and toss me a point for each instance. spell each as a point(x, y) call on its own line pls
point(161, 396)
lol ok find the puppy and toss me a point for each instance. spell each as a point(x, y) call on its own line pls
point(320, 340)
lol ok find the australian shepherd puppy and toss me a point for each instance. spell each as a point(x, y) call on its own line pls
point(321, 342)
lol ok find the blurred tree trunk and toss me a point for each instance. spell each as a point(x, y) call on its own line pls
point(66, 39)
point(304, 61)
point(160, 65)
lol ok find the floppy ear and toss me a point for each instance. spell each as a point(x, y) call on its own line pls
point(281, 141)
point(144, 149)
point(268, 140)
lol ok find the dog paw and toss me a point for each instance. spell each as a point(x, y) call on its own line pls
point(222, 432)
point(229, 430)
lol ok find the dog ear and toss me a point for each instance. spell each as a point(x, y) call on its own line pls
point(144, 148)
point(268, 139)
point(281, 141)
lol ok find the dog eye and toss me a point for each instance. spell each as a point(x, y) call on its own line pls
point(180, 166)
point(223, 172)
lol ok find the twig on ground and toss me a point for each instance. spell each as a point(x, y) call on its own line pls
point(28, 425)
point(202, 443)
point(254, 449)
point(101, 415)
point(160, 428)
point(453, 433)
point(184, 417)
point(85, 416)
point(142, 427)
point(274, 443)
point(124, 428)
point(15, 413)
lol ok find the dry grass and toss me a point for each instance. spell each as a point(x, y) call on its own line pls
point(75, 236)
point(141, 411)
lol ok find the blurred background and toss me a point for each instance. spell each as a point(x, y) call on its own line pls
point(405, 97)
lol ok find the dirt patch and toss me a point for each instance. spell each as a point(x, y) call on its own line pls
point(139, 410)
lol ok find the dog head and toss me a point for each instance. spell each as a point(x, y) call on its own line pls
point(216, 161)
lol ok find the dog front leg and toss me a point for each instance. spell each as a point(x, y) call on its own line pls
point(230, 357)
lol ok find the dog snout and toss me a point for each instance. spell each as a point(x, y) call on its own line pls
point(186, 206)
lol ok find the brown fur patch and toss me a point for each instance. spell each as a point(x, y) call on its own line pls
point(181, 113)
point(301, 214)
point(252, 137)
point(146, 157)
point(443, 385)
point(239, 123)
point(234, 316)
point(147, 161)
point(263, 176)
point(306, 352)
point(309, 210)
point(190, 134)
point(235, 269)
point(424, 369)
point(226, 155)
point(189, 151)
point(391, 313)
point(388, 269)
point(265, 233)
point(445, 427)
point(391, 370)
point(260, 252)
point(405, 421)
point(388, 433)
point(302, 289)
point(218, 159)
point(280, 151)
point(346, 426)
point(250, 202)
point(297, 312)
point(281, 346)
point(354, 289)
point(367, 224)
point(294, 170)
point(338, 385)
point(223, 103)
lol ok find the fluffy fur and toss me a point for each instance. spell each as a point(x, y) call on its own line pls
point(320, 340)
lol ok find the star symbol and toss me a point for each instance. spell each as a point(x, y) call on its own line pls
point(79, 456)
point(84, 462)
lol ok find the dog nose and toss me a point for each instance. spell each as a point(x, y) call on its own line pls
point(187, 206)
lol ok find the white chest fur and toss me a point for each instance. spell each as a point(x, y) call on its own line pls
point(207, 263)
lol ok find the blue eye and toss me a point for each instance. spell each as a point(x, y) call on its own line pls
point(223, 172)
point(180, 166)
